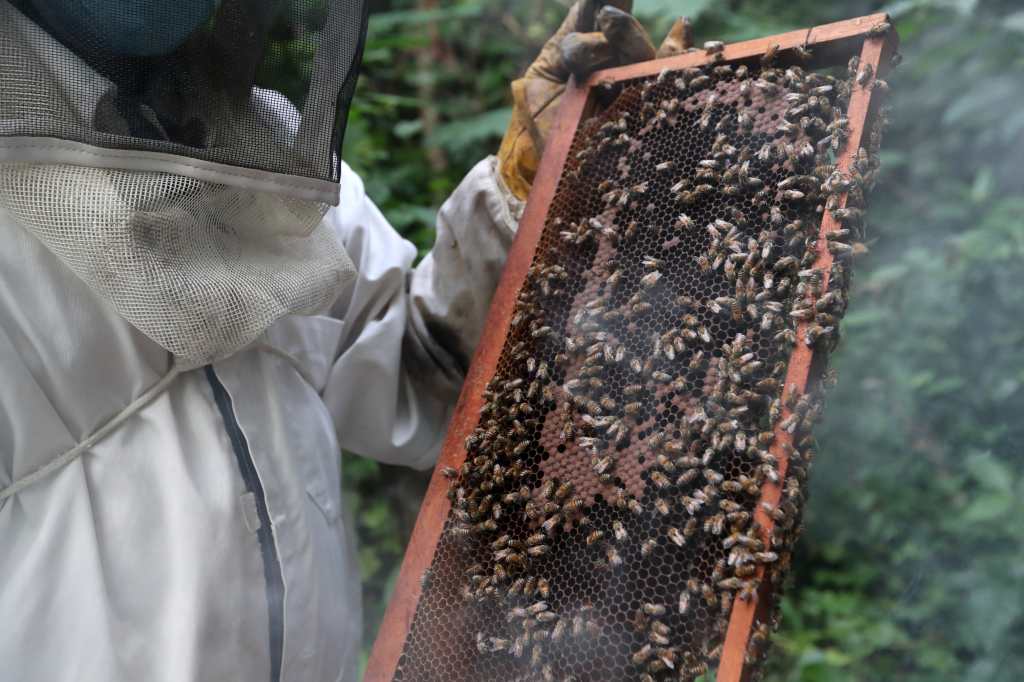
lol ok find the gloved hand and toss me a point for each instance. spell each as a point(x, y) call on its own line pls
point(591, 37)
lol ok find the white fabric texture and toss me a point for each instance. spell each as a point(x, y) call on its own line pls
point(201, 268)
point(140, 559)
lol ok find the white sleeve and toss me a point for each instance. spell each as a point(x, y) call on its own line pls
point(409, 333)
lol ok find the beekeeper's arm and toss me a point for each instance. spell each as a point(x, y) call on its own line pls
point(410, 332)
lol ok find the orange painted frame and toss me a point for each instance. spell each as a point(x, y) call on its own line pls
point(831, 44)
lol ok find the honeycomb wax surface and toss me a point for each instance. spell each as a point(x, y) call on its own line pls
point(603, 525)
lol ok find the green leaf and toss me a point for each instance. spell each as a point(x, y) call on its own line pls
point(987, 508)
point(984, 184)
point(386, 21)
point(946, 384)
point(982, 101)
point(1014, 21)
point(471, 130)
point(406, 129)
point(990, 472)
point(672, 8)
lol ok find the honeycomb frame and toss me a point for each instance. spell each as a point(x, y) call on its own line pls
point(831, 45)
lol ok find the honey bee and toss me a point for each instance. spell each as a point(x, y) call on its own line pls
point(516, 588)
point(650, 279)
point(537, 607)
point(651, 263)
point(879, 30)
point(648, 546)
point(715, 524)
point(660, 480)
point(614, 559)
point(746, 570)
point(769, 55)
point(578, 626)
point(516, 613)
point(696, 669)
point(518, 647)
point(700, 81)
point(748, 592)
point(573, 506)
point(563, 491)
point(712, 476)
point(777, 513)
point(641, 308)
point(865, 75)
point(619, 499)
point(641, 655)
point(547, 490)
point(660, 640)
point(558, 631)
point(728, 506)
point(481, 645)
point(709, 594)
point(676, 536)
point(595, 537)
point(691, 504)
point(632, 408)
point(619, 530)
point(665, 463)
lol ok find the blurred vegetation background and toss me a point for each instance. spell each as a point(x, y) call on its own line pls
point(912, 563)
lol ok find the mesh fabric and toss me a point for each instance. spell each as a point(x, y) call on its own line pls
point(177, 257)
point(196, 102)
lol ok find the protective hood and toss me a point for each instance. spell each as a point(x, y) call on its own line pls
point(167, 86)
point(164, 174)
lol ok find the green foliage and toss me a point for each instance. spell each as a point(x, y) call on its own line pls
point(910, 565)
point(381, 506)
point(432, 98)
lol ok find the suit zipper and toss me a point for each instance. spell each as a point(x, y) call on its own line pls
point(265, 534)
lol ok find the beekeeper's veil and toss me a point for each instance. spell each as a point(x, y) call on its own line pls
point(141, 143)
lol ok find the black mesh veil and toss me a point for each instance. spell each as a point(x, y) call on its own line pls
point(252, 93)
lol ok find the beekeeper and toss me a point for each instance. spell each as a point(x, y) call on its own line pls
point(195, 320)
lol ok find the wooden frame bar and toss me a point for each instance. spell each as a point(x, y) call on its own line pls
point(831, 44)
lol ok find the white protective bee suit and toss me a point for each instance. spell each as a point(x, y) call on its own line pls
point(168, 516)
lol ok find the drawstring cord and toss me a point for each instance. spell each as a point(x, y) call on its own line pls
point(96, 436)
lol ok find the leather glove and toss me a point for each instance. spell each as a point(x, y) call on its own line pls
point(591, 37)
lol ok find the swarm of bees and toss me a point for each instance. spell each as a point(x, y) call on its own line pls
point(647, 357)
